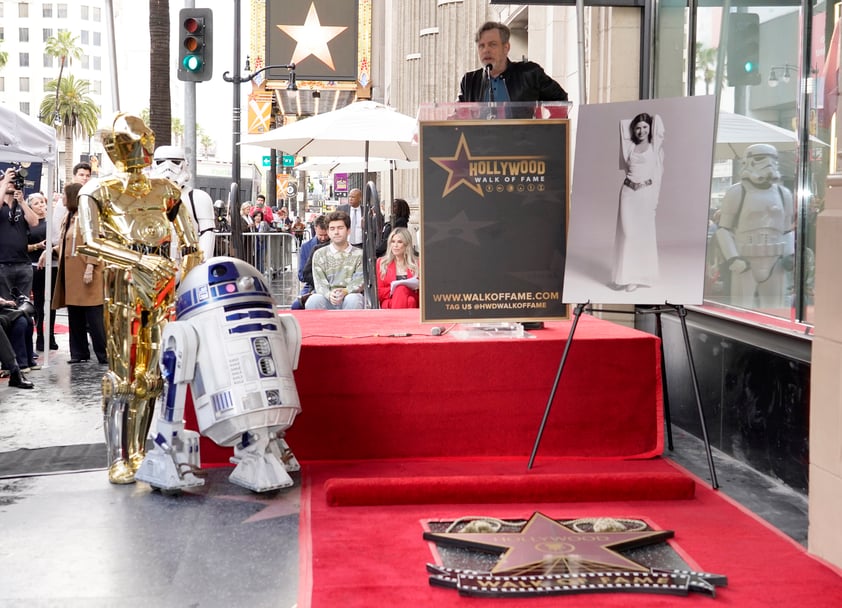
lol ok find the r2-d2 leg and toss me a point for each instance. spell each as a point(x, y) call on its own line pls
point(173, 462)
point(260, 462)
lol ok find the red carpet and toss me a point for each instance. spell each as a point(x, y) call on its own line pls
point(461, 489)
point(375, 556)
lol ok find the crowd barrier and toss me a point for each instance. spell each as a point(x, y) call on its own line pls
point(272, 254)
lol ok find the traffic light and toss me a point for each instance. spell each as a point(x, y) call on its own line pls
point(195, 44)
point(743, 52)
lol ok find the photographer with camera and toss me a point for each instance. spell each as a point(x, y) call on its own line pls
point(16, 218)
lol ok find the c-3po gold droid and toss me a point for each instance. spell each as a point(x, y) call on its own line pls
point(128, 220)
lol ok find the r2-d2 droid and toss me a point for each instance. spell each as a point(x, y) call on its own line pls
point(237, 355)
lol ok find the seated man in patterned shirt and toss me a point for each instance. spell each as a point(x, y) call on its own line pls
point(337, 269)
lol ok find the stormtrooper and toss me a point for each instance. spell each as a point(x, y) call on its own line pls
point(755, 231)
point(170, 162)
point(237, 355)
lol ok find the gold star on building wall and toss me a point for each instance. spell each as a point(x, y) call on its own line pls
point(312, 38)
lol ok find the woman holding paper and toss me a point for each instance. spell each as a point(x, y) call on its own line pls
point(397, 272)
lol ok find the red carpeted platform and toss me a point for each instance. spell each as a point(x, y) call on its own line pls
point(374, 554)
point(366, 394)
point(378, 384)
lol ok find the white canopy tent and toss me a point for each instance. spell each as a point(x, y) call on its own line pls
point(736, 132)
point(25, 139)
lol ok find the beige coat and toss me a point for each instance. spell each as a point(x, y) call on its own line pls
point(71, 288)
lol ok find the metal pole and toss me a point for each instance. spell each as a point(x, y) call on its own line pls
point(190, 121)
point(235, 147)
point(580, 32)
point(576, 315)
point(115, 87)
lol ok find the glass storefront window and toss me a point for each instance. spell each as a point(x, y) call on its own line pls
point(772, 150)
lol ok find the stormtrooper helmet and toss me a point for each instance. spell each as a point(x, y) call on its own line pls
point(760, 164)
point(170, 162)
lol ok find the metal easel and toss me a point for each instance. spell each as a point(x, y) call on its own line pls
point(657, 311)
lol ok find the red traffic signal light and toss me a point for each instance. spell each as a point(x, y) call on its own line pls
point(195, 55)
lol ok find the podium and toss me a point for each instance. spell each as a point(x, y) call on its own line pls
point(495, 192)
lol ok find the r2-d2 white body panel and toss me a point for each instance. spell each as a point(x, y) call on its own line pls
point(245, 358)
point(237, 355)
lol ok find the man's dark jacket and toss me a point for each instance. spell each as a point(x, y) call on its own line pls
point(525, 81)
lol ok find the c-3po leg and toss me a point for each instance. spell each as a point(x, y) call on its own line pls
point(132, 384)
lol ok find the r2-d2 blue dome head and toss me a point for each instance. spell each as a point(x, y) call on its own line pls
point(223, 282)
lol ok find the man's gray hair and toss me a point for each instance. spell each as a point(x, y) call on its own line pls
point(505, 32)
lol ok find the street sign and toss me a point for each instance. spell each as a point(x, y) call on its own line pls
point(291, 190)
point(288, 160)
point(267, 161)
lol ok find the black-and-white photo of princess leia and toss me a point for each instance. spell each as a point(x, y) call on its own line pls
point(639, 202)
point(636, 254)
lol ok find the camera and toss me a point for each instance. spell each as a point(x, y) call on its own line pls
point(24, 304)
point(21, 173)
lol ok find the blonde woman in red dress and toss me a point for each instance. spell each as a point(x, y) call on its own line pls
point(397, 272)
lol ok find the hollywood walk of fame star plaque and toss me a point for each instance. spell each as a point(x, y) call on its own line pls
point(542, 556)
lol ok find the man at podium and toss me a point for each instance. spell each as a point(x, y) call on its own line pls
point(501, 80)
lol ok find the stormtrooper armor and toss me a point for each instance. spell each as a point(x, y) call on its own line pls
point(170, 162)
point(756, 231)
point(237, 355)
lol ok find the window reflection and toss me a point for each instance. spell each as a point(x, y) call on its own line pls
point(775, 98)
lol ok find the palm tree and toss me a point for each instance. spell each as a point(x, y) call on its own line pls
point(178, 130)
point(706, 64)
point(160, 112)
point(63, 46)
point(4, 57)
point(77, 113)
point(206, 142)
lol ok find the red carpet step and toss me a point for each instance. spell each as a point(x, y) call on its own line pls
point(482, 489)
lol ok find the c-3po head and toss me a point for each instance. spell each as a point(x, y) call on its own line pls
point(128, 142)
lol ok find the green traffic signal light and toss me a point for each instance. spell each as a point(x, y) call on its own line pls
point(743, 49)
point(192, 63)
point(195, 61)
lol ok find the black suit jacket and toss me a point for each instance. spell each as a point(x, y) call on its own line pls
point(525, 81)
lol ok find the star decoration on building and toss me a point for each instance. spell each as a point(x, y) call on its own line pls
point(545, 546)
point(458, 227)
point(457, 167)
point(312, 38)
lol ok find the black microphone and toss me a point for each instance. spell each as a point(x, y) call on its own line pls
point(487, 72)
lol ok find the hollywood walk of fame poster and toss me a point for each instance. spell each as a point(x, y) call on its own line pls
point(493, 216)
